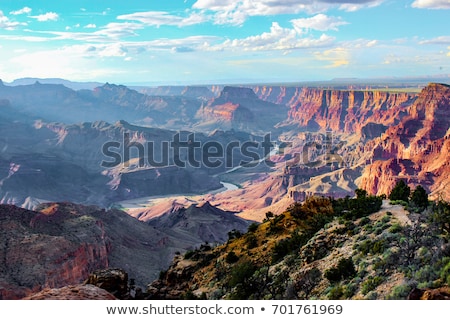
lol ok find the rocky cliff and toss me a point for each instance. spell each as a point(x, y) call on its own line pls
point(240, 108)
point(416, 149)
point(346, 111)
point(63, 244)
point(52, 248)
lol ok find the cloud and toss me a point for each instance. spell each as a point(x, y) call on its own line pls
point(7, 24)
point(336, 57)
point(277, 38)
point(349, 5)
point(113, 50)
point(90, 26)
point(113, 31)
point(236, 12)
point(431, 4)
point(49, 16)
point(319, 22)
point(24, 10)
point(182, 49)
point(158, 18)
point(442, 40)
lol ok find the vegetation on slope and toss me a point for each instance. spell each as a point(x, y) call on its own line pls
point(350, 248)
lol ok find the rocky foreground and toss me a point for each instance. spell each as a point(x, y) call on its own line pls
point(62, 244)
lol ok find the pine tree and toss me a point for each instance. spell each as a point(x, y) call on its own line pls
point(419, 197)
point(401, 191)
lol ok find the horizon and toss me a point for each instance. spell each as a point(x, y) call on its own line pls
point(388, 82)
point(206, 41)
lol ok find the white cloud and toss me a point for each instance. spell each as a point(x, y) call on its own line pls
point(111, 32)
point(90, 26)
point(24, 10)
point(158, 18)
point(23, 38)
point(49, 16)
point(236, 12)
point(277, 39)
point(319, 22)
point(7, 24)
point(438, 40)
point(431, 4)
point(113, 50)
point(357, 5)
point(336, 57)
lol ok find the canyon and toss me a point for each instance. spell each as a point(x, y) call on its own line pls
point(61, 186)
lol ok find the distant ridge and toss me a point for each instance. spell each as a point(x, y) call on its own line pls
point(67, 83)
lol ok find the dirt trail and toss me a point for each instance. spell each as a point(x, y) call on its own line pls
point(397, 211)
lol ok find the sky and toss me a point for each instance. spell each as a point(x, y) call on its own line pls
point(218, 41)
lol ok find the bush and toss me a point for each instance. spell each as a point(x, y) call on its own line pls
point(251, 240)
point(231, 257)
point(371, 283)
point(336, 293)
point(240, 279)
point(287, 245)
point(234, 234)
point(344, 270)
point(253, 227)
point(395, 228)
point(189, 254)
point(400, 191)
point(401, 291)
point(419, 197)
point(373, 247)
point(364, 221)
point(352, 209)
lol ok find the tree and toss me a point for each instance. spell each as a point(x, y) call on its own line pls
point(419, 197)
point(360, 193)
point(401, 191)
point(307, 281)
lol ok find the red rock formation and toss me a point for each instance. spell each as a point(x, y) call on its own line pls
point(48, 250)
point(346, 111)
point(74, 292)
point(416, 149)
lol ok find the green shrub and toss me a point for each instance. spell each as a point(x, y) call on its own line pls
point(240, 280)
point(371, 283)
point(395, 228)
point(400, 191)
point(419, 197)
point(188, 254)
point(253, 227)
point(251, 240)
point(369, 246)
point(364, 221)
point(234, 234)
point(336, 293)
point(231, 257)
point(344, 270)
point(400, 292)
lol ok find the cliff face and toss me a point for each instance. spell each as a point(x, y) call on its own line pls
point(48, 249)
point(346, 111)
point(240, 108)
point(416, 149)
point(62, 244)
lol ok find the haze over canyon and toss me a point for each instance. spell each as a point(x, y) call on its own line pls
point(194, 163)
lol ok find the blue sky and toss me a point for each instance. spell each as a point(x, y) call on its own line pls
point(218, 41)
